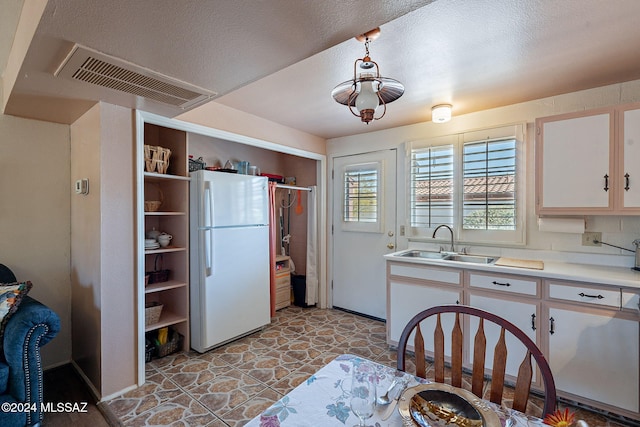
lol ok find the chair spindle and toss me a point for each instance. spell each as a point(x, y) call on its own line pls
point(479, 356)
point(421, 365)
point(438, 356)
point(499, 366)
point(525, 374)
point(456, 353)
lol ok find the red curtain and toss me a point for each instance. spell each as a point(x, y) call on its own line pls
point(273, 237)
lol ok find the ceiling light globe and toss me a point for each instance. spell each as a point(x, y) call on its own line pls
point(367, 99)
point(441, 113)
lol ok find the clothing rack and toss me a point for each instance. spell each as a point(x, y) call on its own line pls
point(292, 187)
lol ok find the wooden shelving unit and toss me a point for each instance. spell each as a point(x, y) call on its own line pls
point(172, 217)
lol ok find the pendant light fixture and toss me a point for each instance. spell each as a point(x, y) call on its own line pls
point(368, 89)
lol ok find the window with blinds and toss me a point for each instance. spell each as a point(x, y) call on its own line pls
point(361, 194)
point(432, 201)
point(473, 182)
point(489, 185)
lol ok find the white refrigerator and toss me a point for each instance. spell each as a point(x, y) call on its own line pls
point(229, 289)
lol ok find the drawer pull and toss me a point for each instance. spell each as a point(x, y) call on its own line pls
point(533, 321)
point(552, 330)
point(606, 182)
point(583, 295)
point(501, 284)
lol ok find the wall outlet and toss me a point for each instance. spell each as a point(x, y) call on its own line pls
point(590, 238)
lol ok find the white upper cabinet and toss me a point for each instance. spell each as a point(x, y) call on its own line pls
point(574, 156)
point(629, 157)
point(584, 162)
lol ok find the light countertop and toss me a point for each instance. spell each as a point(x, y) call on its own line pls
point(611, 276)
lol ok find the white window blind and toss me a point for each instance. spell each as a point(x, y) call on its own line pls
point(472, 181)
point(432, 201)
point(361, 195)
point(489, 185)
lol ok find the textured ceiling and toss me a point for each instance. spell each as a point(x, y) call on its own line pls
point(279, 59)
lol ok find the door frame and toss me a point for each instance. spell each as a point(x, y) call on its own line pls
point(401, 239)
point(141, 118)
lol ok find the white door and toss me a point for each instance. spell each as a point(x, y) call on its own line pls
point(364, 227)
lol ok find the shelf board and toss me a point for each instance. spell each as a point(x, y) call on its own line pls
point(163, 286)
point(164, 250)
point(167, 318)
point(160, 176)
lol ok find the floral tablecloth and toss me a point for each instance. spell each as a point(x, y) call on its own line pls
point(323, 400)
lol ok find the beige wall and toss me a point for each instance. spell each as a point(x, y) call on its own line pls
point(216, 152)
point(34, 217)
point(102, 247)
point(221, 117)
point(616, 230)
point(85, 245)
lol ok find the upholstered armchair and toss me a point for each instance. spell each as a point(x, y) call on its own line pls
point(30, 327)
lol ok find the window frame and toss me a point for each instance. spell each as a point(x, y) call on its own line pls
point(514, 237)
point(364, 226)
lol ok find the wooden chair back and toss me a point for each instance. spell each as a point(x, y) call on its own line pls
point(525, 372)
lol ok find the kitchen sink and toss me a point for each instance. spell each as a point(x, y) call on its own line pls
point(447, 256)
point(423, 254)
point(475, 259)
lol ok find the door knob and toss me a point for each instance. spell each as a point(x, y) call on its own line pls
point(391, 245)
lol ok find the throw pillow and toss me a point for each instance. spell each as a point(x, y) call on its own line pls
point(10, 296)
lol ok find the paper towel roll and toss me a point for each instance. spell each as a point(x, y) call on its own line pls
point(562, 225)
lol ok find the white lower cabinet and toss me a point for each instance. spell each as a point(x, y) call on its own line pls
point(523, 314)
point(589, 333)
point(594, 343)
point(407, 296)
point(594, 354)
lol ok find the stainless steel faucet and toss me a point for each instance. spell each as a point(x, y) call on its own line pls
point(637, 264)
point(450, 230)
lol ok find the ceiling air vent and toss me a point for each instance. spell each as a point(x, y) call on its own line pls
point(103, 70)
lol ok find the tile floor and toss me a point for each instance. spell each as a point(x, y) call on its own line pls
point(230, 385)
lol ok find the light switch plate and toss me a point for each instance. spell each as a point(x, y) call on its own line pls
point(82, 186)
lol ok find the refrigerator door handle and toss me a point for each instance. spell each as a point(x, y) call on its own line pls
point(208, 205)
point(208, 252)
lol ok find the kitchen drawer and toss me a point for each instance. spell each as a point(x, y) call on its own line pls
point(505, 283)
point(630, 300)
point(576, 292)
point(422, 272)
point(283, 282)
point(283, 298)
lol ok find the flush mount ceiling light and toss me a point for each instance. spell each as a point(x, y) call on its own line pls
point(368, 89)
point(441, 113)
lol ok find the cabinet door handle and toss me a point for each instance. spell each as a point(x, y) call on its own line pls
point(501, 284)
point(533, 321)
point(606, 182)
point(626, 182)
point(583, 295)
point(552, 329)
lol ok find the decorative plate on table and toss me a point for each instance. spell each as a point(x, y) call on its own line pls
point(442, 405)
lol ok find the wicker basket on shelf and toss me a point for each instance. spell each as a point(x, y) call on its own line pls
point(152, 311)
point(156, 159)
point(154, 205)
